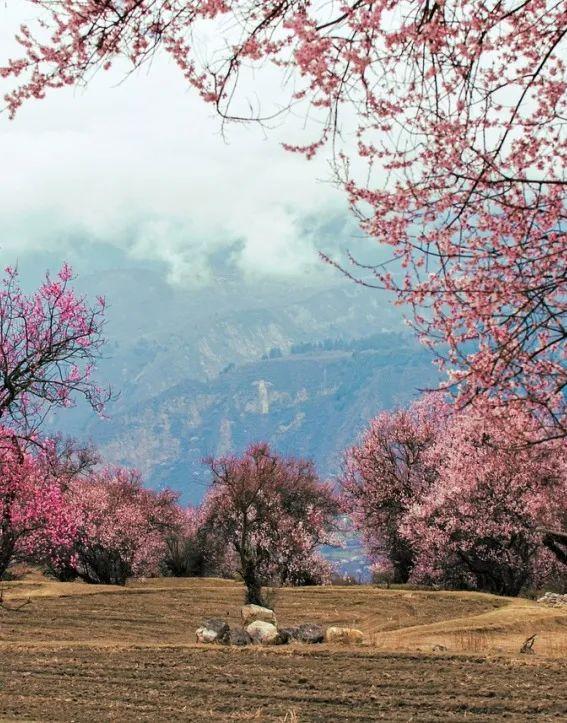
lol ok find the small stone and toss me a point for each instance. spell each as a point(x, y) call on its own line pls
point(213, 630)
point(308, 633)
point(204, 635)
point(344, 636)
point(238, 636)
point(263, 632)
point(251, 613)
point(553, 599)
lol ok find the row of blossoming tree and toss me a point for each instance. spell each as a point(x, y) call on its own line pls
point(440, 495)
point(264, 517)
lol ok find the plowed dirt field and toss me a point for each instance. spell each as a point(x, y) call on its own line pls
point(85, 653)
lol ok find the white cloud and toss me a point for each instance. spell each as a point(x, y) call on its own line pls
point(141, 165)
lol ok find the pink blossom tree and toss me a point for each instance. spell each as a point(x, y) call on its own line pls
point(386, 473)
point(35, 519)
point(457, 110)
point(49, 341)
point(274, 513)
point(479, 525)
point(121, 528)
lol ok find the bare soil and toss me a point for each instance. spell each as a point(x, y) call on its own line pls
point(87, 653)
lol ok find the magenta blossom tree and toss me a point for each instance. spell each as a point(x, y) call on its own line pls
point(446, 121)
point(35, 518)
point(49, 341)
point(274, 513)
point(386, 473)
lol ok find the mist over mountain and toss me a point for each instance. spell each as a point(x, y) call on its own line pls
point(210, 369)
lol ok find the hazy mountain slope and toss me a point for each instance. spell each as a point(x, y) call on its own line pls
point(191, 369)
point(306, 404)
point(159, 334)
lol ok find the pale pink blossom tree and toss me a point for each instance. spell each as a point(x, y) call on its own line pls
point(479, 525)
point(452, 498)
point(274, 513)
point(386, 473)
point(121, 528)
point(446, 123)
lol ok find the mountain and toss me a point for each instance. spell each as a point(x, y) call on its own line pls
point(159, 334)
point(310, 404)
point(211, 369)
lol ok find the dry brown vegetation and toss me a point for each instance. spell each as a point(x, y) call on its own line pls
point(80, 652)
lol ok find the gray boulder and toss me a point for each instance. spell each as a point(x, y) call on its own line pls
point(287, 634)
point(283, 637)
point(306, 633)
point(238, 636)
point(213, 630)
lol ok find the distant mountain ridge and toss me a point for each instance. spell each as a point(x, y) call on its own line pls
point(311, 404)
point(210, 370)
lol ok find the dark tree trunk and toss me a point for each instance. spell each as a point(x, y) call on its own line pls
point(556, 541)
point(401, 557)
point(253, 584)
point(6, 553)
point(494, 578)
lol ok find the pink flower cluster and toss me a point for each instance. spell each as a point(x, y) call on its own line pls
point(121, 527)
point(35, 518)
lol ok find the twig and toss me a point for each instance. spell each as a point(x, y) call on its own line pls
point(13, 608)
point(527, 647)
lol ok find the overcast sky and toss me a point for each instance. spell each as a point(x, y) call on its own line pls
point(136, 172)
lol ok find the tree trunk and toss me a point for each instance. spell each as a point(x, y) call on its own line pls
point(401, 557)
point(253, 584)
point(556, 541)
point(6, 552)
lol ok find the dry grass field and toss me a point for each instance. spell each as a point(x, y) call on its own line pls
point(96, 653)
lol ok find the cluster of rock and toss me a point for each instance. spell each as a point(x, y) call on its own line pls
point(553, 599)
point(260, 627)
